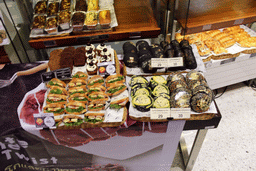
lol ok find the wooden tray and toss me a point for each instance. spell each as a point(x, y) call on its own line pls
point(102, 124)
point(202, 116)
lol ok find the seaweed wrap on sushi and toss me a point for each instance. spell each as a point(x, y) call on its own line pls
point(142, 103)
point(180, 98)
point(140, 91)
point(156, 80)
point(177, 84)
point(137, 79)
point(161, 102)
point(203, 89)
point(200, 102)
point(160, 89)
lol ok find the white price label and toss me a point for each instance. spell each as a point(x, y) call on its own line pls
point(159, 62)
point(175, 62)
point(159, 113)
point(180, 113)
point(207, 27)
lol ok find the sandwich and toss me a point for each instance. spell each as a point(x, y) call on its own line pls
point(94, 117)
point(75, 108)
point(97, 88)
point(96, 80)
point(73, 120)
point(58, 90)
point(58, 120)
point(81, 75)
point(78, 97)
point(55, 108)
point(113, 79)
point(119, 101)
point(75, 82)
point(96, 105)
point(81, 89)
point(116, 89)
point(56, 98)
point(98, 96)
point(56, 82)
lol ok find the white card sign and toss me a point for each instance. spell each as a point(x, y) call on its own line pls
point(159, 113)
point(175, 62)
point(159, 62)
point(180, 113)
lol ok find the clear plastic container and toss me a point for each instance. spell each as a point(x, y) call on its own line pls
point(51, 26)
point(64, 18)
point(91, 21)
point(105, 19)
point(53, 8)
point(78, 19)
point(38, 24)
point(40, 7)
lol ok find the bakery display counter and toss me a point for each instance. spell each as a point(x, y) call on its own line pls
point(134, 21)
point(205, 15)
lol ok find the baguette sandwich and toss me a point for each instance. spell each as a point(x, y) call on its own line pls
point(73, 120)
point(79, 97)
point(80, 89)
point(58, 120)
point(75, 108)
point(96, 105)
point(58, 90)
point(56, 82)
point(116, 89)
point(94, 117)
point(97, 88)
point(98, 96)
point(95, 80)
point(75, 82)
point(113, 79)
point(55, 108)
point(81, 75)
point(119, 101)
point(56, 98)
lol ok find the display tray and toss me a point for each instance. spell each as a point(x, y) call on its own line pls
point(145, 116)
point(31, 105)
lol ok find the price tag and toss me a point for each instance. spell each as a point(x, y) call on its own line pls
point(44, 120)
point(252, 55)
point(207, 27)
point(180, 113)
point(208, 64)
point(159, 113)
point(47, 76)
point(227, 61)
point(51, 43)
point(175, 62)
point(239, 21)
point(63, 73)
point(159, 62)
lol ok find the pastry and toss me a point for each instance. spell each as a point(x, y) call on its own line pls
point(81, 5)
point(40, 7)
point(104, 18)
point(89, 47)
point(99, 48)
point(90, 53)
point(39, 22)
point(91, 68)
point(93, 5)
point(64, 17)
point(91, 59)
point(53, 8)
point(65, 5)
point(91, 20)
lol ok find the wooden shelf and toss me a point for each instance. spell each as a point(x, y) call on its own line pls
point(219, 16)
point(133, 22)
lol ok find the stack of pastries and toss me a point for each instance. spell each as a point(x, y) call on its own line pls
point(217, 41)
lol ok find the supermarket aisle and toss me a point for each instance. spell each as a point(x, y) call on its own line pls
point(232, 145)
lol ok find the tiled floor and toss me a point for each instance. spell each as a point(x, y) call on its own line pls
point(232, 145)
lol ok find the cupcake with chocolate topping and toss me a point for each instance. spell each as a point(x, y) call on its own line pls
point(90, 53)
point(91, 68)
point(90, 59)
point(89, 47)
point(105, 58)
point(100, 48)
point(106, 52)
